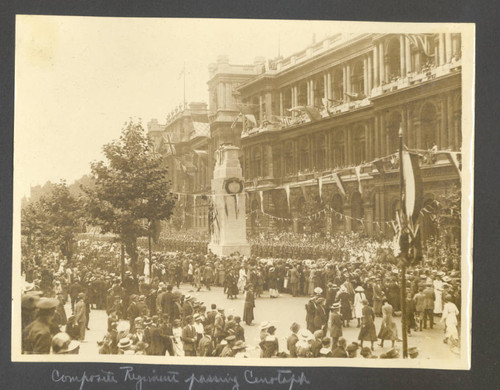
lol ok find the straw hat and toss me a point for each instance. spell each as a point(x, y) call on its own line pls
point(359, 289)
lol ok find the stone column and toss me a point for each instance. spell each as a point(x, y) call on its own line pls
point(311, 92)
point(365, 76)
point(376, 72)
point(451, 129)
point(329, 85)
point(376, 152)
point(281, 103)
point(348, 78)
point(449, 53)
point(441, 49)
point(444, 125)
point(402, 58)
point(269, 106)
point(408, 55)
point(381, 61)
point(344, 82)
point(269, 152)
point(370, 74)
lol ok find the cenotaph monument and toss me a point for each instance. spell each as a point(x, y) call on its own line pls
point(228, 213)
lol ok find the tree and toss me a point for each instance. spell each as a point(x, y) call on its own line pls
point(131, 191)
point(52, 221)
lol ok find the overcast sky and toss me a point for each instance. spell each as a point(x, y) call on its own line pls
point(78, 79)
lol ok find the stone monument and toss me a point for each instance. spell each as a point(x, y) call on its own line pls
point(228, 213)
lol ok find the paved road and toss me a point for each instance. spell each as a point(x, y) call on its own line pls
point(282, 312)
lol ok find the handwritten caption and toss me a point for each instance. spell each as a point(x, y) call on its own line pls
point(156, 378)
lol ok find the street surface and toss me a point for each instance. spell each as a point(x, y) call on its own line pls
point(282, 312)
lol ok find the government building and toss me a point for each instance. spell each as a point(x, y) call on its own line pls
point(319, 134)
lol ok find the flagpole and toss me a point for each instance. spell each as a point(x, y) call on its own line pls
point(403, 255)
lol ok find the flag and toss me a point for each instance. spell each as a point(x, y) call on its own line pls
point(339, 182)
point(412, 186)
point(453, 158)
point(287, 191)
point(169, 146)
point(419, 42)
point(379, 164)
point(320, 187)
point(251, 118)
point(358, 175)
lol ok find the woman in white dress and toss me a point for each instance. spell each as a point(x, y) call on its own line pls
point(449, 319)
point(359, 296)
point(438, 291)
point(177, 338)
point(242, 280)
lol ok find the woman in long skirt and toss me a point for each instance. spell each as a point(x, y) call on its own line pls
point(359, 297)
point(388, 330)
point(345, 305)
point(367, 331)
point(177, 338)
point(249, 305)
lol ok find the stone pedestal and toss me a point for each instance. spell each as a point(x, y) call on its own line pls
point(229, 213)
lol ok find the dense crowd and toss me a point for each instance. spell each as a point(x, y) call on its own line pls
point(148, 314)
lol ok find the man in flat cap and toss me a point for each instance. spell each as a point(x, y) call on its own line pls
point(81, 315)
point(37, 336)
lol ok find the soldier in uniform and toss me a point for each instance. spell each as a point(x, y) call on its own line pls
point(37, 336)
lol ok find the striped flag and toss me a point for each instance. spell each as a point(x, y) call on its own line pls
point(412, 186)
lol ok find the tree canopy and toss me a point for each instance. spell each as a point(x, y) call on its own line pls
point(131, 191)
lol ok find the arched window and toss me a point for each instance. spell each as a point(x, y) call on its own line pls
point(256, 162)
point(359, 145)
point(393, 59)
point(320, 152)
point(338, 149)
point(428, 123)
point(304, 154)
point(357, 212)
point(393, 125)
point(357, 78)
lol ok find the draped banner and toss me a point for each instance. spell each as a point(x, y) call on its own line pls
point(358, 175)
point(261, 195)
point(339, 182)
point(320, 188)
point(412, 186)
point(453, 157)
point(287, 191)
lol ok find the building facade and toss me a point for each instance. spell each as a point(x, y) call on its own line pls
point(319, 131)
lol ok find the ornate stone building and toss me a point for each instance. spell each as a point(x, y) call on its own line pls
point(334, 106)
point(340, 103)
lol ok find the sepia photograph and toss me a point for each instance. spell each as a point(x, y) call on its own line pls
point(243, 192)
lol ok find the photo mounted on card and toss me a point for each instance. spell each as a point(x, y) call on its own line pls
point(243, 192)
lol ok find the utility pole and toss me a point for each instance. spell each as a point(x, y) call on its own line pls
point(403, 255)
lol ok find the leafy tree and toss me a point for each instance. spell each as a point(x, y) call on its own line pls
point(131, 191)
point(52, 221)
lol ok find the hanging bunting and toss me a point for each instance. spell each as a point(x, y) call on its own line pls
point(261, 195)
point(453, 158)
point(320, 187)
point(379, 164)
point(358, 175)
point(339, 183)
point(287, 191)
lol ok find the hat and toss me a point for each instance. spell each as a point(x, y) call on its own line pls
point(352, 347)
point(220, 308)
point(230, 338)
point(62, 343)
point(305, 334)
point(335, 306)
point(176, 322)
point(147, 321)
point(47, 303)
point(265, 325)
point(359, 289)
point(125, 343)
point(81, 295)
point(318, 290)
point(240, 344)
point(413, 352)
point(390, 354)
point(29, 301)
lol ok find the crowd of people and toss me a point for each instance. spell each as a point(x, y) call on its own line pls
point(148, 314)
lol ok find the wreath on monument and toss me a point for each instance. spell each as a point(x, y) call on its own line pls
point(233, 185)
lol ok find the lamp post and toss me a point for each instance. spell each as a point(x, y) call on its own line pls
point(403, 255)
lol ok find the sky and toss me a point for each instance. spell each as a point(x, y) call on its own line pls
point(78, 79)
